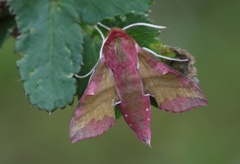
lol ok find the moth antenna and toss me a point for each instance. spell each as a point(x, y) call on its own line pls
point(163, 57)
point(86, 75)
point(100, 32)
point(104, 39)
point(89, 73)
point(143, 24)
point(102, 25)
point(102, 48)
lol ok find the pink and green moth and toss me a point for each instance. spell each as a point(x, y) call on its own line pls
point(127, 74)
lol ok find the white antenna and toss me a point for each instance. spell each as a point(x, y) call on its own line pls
point(164, 57)
point(144, 24)
point(86, 75)
point(152, 52)
point(104, 40)
point(100, 32)
point(102, 25)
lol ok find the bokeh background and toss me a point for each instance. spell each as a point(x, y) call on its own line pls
point(208, 29)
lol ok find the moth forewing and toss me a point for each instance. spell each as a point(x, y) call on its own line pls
point(173, 91)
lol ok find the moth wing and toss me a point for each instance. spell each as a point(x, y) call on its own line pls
point(173, 91)
point(95, 113)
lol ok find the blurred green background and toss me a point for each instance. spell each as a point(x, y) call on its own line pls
point(208, 29)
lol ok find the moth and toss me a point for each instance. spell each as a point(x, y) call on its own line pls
point(127, 74)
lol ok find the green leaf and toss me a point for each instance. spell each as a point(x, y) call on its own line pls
point(50, 43)
point(92, 11)
point(118, 113)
